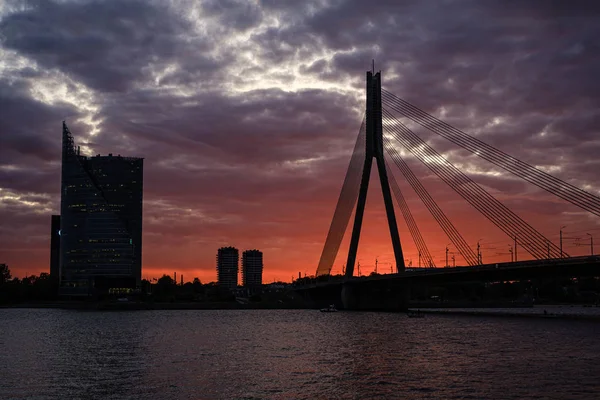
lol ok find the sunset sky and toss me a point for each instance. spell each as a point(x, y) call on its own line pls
point(246, 113)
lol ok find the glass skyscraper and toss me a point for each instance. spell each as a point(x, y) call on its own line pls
point(100, 221)
point(55, 248)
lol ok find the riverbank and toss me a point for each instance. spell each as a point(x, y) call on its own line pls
point(575, 312)
point(591, 313)
point(132, 306)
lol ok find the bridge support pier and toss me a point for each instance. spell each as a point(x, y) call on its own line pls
point(349, 298)
point(378, 297)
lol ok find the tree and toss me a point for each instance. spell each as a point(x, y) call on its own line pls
point(29, 280)
point(146, 286)
point(165, 280)
point(165, 287)
point(197, 286)
point(4, 274)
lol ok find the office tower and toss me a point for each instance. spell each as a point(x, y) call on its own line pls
point(55, 247)
point(100, 221)
point(227, 267)
point(252, 268)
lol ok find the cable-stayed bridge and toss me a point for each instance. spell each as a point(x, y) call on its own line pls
point(381, 134)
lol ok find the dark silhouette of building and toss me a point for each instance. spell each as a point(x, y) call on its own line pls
point(100, 221)
point(55, 248)
point(227, 267)
point(252, 268)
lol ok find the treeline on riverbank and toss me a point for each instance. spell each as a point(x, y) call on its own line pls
point(31, 288)
point(44, 289)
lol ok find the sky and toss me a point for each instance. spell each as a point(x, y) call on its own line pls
point(246, 113)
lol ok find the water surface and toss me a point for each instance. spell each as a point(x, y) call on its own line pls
point(292, 354)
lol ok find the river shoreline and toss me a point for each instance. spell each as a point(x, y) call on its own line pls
point(141, 306)
point(572, 312)
point(588, 313)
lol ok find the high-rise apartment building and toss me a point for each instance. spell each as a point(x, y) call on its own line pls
point(252, 268)
point(100, 221)
point(227, 267)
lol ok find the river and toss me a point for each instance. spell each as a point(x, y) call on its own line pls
point(293, 354)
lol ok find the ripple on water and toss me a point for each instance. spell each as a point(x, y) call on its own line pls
point(299, 354)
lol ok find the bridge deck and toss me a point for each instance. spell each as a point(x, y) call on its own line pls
point(572, 266)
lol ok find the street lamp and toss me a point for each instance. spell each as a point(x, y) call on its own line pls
point(447, 254)
point(479, 251)
point(510, 250)
point(591, 243)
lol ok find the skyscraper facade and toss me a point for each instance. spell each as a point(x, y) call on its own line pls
point(55, 248)
point(252, 268)
point(227, 267)
point(100, 221)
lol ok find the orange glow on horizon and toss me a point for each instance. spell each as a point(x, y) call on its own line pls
point(294, 250)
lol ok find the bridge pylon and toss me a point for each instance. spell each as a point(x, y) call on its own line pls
point(374, 150)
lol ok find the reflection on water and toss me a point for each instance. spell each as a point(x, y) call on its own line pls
point(60, 354)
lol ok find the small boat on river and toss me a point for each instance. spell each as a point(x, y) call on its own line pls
point(415, 314)
point(331, 308)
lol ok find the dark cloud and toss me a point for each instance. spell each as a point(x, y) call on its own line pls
point(109, 46)
point(237, 14)
point(27, 126)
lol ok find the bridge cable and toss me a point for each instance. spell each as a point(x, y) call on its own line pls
point(345, 204)
point(433, 208)
point(490, 207)
point(521, 169)
point(446, 225)
point(409, 219)
point(449, 229)
point(499, 224)
point(495, 211)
